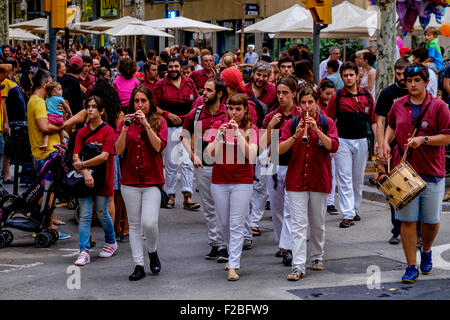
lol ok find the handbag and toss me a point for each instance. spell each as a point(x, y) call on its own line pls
point(74, 180)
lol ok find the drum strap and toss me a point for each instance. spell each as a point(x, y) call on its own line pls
point(418, 121)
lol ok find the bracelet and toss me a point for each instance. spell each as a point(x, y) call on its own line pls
point(294, 137)
point(166, 114)
point(82, 165)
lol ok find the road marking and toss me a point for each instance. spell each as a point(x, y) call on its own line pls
point(438, 261)
point(17, 267)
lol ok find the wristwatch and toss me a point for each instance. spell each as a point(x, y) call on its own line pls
point(425, 139)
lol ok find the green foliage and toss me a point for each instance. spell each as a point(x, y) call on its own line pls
point(353, 45)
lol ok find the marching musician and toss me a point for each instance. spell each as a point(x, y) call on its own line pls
point(427, 158)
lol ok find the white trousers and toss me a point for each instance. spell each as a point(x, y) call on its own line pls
point(232, 206)
point(307, 208)
point(175, 155)
point(143, 212)
point(203, 177)
point(350, 160)
point(330, 199)
point(259, 197)
point(279, 207)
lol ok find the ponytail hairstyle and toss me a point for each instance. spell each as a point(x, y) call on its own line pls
point(153, 117)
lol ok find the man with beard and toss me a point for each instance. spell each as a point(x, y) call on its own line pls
point(353, 108)
point(264, 95)
point(195, 126)
point(199, 77)
point(174, 95)
point(385, 101)
point(151, 75)
point(30, 66)
point(86, 78)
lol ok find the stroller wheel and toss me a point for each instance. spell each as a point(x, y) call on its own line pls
point(76, 215)
point(2, 241)
point(71, 205)
point(42, 240)
point(54, 235)
point(8, 236)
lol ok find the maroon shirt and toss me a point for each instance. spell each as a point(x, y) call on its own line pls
point(352, 114)
point(232, 173)
point(426, 160)
point(295, 111)
point(177, 101)
point(104, 138)
point(90, 79)
point(268, 95)
point(142, 166)
point(205, 122)
point(200, 77)
point(309, 167)
point(150, 85)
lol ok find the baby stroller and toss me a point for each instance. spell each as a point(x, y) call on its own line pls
point(31, 211)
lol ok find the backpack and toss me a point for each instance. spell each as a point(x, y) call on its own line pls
point(323, 123)
point(261, 111)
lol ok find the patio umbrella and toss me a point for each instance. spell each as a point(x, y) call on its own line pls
point(294, 17)
point(185, 24)
point(19, 34)
point(114, 23)
point(31, 24)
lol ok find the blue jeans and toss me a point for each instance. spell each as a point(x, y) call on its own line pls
point(84, 226)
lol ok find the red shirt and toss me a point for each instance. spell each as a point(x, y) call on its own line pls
point(142, 166)
point(177, 101)
point(309, 167)
point(426, 160)
point(200, 77)
point(236, 172)
point(205, 122)
point(268, 95)
point(352, 113)
point(104, 138)
point(295, 111)
point(150, 85)
point(90, 79)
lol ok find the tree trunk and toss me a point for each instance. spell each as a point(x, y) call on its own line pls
point(386, 45)
point(4, 34)
point(140, 9)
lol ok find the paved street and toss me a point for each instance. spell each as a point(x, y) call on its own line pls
point(27, 272)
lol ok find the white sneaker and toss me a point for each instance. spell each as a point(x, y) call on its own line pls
point(83, 258)
point(108, 250)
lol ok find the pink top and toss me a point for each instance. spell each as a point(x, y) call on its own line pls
point(124, 88)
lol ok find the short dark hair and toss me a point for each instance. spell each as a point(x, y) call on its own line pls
point(148, 64)
point(333, 64)
point(290, 82)
point(150, 54)
point(164, 56)
point(286, 59)
point(39, 78)
point(367, 55)
point(401, 63)
point(325, 84)
point(12, 61)
point(421, 53)
point(87, 59)
point(417, 69)
point(349, 66)
point(219, 85)
point(305, 90)
point(173, 59)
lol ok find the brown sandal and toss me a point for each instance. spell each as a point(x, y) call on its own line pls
point(171, 202)
point(190, 205)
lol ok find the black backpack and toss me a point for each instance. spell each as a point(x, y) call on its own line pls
point(261, 111)
point(323, 123)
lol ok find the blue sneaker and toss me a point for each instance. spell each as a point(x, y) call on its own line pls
point(425, 262)
point(63, 236)
point(411, 274)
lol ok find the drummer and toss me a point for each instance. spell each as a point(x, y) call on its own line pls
point(427, 157)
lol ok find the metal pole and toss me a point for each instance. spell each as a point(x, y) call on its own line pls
point(316, 57)
point(52, 47)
